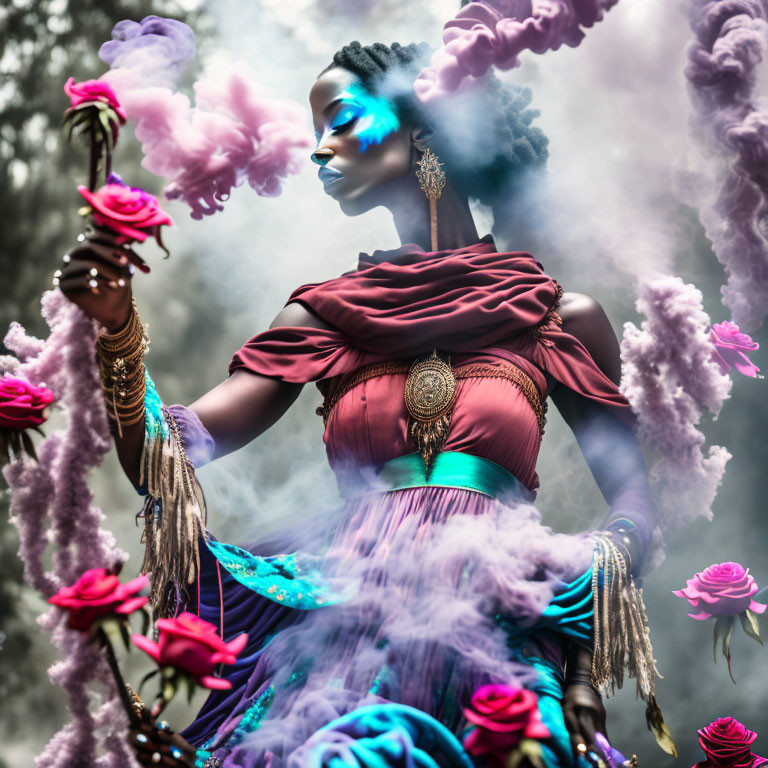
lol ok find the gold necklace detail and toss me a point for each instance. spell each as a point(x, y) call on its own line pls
point(430, 391)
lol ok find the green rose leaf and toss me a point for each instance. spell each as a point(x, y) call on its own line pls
point(750, 625)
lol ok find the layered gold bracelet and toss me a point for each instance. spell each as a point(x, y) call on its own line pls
point(121, 367)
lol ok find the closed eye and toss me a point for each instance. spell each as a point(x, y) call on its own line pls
point(344, 127)
point(345, 118)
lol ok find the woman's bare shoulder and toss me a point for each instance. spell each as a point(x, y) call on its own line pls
point(296, 315)
point(584, 318)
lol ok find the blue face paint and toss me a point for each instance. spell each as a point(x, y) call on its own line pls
point(372, 118)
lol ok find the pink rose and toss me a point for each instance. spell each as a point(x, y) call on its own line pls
point(132, 213)
point(22, 405)
point(730, 346)
point(726, 742)
point(191, 645)
point(503, 716)
point(93, 90)
point(723, 589)
point(98, 593)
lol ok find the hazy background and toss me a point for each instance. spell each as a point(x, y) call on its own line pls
point(615, 111)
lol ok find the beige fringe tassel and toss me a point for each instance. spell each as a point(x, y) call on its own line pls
point(622, 638)
point(174, 518)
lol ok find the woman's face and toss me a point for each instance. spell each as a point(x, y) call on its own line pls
point(362, 144)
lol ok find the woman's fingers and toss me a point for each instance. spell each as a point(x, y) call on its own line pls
point(153, 749)
point(94, 267)
point(578, 744)
point(587, 725)
point(88, 280)
point(91, 248)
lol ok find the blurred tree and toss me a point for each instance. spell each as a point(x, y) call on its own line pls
point(42, 43)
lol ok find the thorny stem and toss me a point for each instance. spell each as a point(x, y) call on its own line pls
point(115, 669)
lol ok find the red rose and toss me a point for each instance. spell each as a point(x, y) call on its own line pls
point(503, 716)
point(726, 743)
point(190, 645)
point(21, 404)
point(90, 91)
point(130, 212)
point(98, 593)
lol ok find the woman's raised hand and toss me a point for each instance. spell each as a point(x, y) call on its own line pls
point(96, 275)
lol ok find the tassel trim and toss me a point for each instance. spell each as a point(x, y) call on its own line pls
point(174, 517)
point(621, 637)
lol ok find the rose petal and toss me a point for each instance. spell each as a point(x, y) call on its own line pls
point(129, 606)
point(537, 730)
point(146, 645)
point(236, 646)
point(214, 683)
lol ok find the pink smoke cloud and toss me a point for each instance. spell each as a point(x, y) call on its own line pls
point(493, 33)
point(671, 378)
point(236, 131)
point(723, 63)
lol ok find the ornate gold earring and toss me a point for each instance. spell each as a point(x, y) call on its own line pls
point(431, 178)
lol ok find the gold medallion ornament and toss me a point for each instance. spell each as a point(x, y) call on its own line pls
point(430, 391)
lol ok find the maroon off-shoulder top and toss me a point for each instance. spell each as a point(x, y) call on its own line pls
point(473, 303)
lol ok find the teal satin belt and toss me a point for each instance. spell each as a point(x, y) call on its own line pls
point(450, 469)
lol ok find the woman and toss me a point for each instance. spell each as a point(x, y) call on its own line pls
point(436, 361)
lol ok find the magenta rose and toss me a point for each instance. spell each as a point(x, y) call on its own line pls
point(503, 716)
point(22, 405)
point(90, 91)
point(723, 589)
point(727, 743)
point(730, 348)
point(190, 645)
point(130, 212)
point(98, 594)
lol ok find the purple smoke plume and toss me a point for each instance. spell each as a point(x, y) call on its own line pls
point(237, 131)
point(722, 69)
point(670, 378)
point(51, 506)
point(493, 33)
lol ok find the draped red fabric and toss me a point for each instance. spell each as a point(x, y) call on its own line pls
point(403, 303)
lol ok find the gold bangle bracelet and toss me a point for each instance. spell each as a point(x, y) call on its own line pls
point(121, 369)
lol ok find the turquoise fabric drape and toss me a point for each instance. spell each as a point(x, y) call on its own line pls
point(294, 580)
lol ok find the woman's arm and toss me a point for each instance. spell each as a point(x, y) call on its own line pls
point(97, 277)
point(610, 446)
point(616, 462)
point(239, 409)
point(247, 404)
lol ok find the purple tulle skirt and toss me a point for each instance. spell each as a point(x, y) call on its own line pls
point(429, 572)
